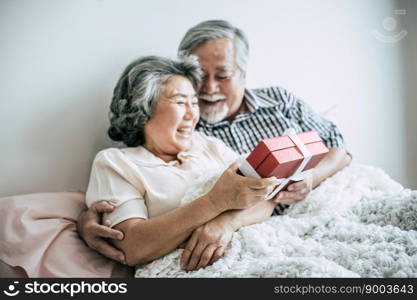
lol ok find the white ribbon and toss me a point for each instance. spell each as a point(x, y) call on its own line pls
point(248, 170)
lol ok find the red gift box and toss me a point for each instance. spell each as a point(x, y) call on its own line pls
point(281, 157)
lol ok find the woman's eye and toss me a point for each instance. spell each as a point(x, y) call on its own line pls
point(184, 101)
point(179, 100)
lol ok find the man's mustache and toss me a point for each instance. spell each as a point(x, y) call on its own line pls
point(212, 98)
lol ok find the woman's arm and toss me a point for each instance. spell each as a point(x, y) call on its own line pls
point(146, 240)
point(208, 242)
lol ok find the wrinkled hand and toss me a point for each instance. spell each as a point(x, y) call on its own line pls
point(206, 244)
point(233, 191)
point(296, 191)
point(95, 235)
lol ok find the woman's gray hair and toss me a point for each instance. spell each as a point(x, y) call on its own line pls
point(137, 90)
point(213, 30)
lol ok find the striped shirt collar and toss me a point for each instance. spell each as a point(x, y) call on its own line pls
point(251, 100)
point(253, 103)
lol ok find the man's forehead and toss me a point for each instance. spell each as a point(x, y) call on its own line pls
point(216, 54)
point(225, 68)
point(218, 66)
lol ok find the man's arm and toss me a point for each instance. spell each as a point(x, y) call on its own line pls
point(300, 113)
point(95, 235)
point(334, 161)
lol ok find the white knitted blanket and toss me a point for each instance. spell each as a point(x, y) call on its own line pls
point(358, 223)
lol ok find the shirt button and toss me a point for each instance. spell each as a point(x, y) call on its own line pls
point(107, 222)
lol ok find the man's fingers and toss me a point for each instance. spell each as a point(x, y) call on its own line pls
point(277, 198)
point(296, 186)
point(107, 232)
point(206, 256)
point(109, 251)
point(102, 207)
point(290, 197)
point(217, 255)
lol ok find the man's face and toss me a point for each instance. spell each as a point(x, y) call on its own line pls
point(223, 86)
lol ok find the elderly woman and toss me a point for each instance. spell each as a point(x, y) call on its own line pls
point(153, 112)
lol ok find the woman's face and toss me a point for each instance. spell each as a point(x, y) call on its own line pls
point(170, 128)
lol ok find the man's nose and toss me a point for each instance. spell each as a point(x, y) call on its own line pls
point(210, 86)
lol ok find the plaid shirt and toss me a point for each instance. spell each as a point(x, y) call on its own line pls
point(270, 112)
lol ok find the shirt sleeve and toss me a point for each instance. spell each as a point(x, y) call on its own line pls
point(301, 113)
point(111, 180)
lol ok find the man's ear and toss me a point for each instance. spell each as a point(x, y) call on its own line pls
point(242, 74)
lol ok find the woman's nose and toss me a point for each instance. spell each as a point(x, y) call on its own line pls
point(191, 111)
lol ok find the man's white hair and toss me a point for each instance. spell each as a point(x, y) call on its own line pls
point(213, 30)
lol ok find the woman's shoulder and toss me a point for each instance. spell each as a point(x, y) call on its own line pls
point(115, 159)
point(110, 156)
point(128, 157)
point(108, 153)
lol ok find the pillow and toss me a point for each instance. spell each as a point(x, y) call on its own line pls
point(38, 233)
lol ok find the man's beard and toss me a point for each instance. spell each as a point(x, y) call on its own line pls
point(213, 114)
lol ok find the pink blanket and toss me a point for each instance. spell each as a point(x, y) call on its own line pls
point(38, 233)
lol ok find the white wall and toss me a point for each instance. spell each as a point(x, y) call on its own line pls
point(409, 79)
point(60, 60)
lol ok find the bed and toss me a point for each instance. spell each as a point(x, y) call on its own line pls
point(358, 223)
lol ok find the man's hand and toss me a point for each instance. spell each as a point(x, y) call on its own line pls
point(206, 244)
point(96, 235)
point(297, 191)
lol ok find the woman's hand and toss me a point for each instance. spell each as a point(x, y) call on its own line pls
point(95, 235)
point(297, 191)
point(233, 191)
point(206, 244)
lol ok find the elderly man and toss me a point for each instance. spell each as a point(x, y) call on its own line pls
point(241, 118)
